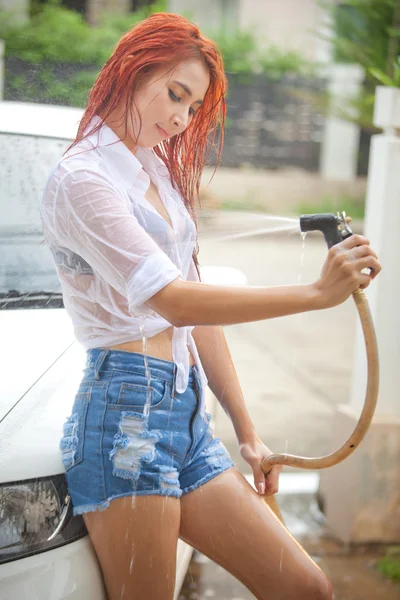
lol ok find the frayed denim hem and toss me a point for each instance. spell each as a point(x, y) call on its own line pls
point(80, 510)
point(208, 477)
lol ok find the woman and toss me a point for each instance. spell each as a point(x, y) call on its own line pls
point(118, 213)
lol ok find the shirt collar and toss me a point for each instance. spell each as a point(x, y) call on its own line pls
point(126, 164)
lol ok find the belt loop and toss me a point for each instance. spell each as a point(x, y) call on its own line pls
point(200, 392)
point(174, 381)
point(197, 381)
point(99, 363)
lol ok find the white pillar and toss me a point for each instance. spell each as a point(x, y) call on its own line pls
point(362, 494)
point(340, 146)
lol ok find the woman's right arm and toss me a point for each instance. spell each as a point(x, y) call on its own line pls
point(90, 217)
point(188, 303)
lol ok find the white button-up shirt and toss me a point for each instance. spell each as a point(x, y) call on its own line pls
point(112, 249)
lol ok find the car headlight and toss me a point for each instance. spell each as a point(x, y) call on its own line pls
point(36, 516)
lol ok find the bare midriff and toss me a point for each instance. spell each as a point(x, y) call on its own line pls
point(158, 346)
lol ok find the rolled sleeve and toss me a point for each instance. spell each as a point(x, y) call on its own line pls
point(151, 275)
point(94, 220)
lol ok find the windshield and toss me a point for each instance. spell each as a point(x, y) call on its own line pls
point(27, 275)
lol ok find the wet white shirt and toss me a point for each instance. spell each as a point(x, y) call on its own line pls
point(112, 249)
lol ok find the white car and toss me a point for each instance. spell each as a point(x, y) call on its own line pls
point(45, 552)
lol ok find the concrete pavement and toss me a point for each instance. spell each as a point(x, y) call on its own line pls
point(293, 371)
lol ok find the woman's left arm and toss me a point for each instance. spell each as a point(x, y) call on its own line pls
point(223, 380)
point(224, 383)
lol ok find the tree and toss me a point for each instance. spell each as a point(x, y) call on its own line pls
point(367, 32)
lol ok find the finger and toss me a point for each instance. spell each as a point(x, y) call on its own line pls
point(266, 483)
point(361, 251)
point(352, 241)
point(368, 262)
point(365, 280)
point(259, 479)
point(272, 481)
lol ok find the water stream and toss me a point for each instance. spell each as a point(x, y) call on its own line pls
point(273, 224)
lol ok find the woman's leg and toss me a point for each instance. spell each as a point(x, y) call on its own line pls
point(227, 521)
point(135, 540)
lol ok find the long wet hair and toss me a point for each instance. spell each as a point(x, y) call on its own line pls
point(164, 40)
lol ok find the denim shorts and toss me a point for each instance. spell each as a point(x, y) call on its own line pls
point(130, 433)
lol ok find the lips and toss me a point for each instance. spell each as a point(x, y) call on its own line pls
point(165, 134)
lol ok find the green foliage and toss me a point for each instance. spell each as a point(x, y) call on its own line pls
point(46, 86)
point(367, 32)
point(276, 62)
point(362, 32)
point(353, 206)
point(389, 566)
point(56, 36)
point(239, 51)
point(243, 57)
point(61, 35)
point(384, 78)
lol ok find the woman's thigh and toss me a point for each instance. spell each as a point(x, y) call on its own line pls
point(230, 523)
point(135, 540)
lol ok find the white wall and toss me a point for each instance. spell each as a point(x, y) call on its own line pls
point(289, 24)
point(286, 23)
point(19, 7)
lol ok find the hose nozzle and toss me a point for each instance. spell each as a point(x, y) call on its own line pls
point(334, 227)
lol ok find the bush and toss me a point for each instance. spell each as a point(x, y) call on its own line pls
point(63, 36)
point(56, 56)
point(243, 57)
point(389, 566)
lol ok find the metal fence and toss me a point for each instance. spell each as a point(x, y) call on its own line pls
point(270, 124)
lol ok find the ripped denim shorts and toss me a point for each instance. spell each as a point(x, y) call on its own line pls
point(130, 433)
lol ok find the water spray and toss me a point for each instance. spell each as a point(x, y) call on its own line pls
point(335, 229)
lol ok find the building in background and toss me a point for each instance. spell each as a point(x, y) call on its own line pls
point(288, 24)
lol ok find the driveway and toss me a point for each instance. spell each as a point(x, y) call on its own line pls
point(295, 369)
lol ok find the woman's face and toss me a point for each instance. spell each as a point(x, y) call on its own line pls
point(167, 103)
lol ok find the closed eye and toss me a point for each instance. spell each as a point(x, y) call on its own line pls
point(173, 96)
point(176, 98)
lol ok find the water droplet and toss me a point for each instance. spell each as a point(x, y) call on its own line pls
point(303, 248)
point(146, 409)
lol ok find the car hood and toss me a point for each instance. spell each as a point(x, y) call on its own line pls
point(41, 367)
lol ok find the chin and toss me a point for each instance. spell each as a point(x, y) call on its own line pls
point(150, 142)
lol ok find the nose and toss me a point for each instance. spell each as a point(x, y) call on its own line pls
point(180, 119)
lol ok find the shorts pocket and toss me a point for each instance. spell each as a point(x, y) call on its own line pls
point(132, 395)
point(72, 442)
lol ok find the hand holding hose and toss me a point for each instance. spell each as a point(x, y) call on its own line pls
point(341, 277)
point(254, 452)
point(342, 272)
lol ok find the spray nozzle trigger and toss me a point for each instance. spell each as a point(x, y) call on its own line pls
point(335, 228)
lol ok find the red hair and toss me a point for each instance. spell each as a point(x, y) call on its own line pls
point(160, 40)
